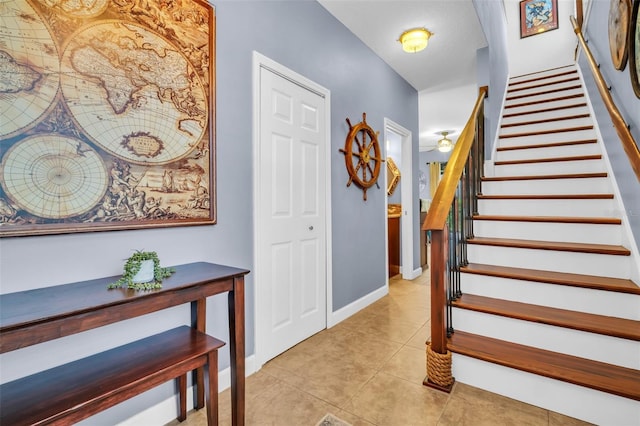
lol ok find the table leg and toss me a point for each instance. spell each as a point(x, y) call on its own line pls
point(236, 346)
point(182, 389)
point(212, 392)
point(198, 321)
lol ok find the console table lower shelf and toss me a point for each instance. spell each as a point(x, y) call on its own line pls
point(79, 389)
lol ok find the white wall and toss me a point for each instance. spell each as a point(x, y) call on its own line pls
point(444, 110)
point(551, 49)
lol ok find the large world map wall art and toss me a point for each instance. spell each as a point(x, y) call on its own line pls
point(106, 115)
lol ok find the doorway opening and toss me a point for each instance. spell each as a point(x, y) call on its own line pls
point(395, 132)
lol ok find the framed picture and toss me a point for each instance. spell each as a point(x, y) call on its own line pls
point(393, 176)
point(110, 122)
point(634, 48)
point(538, 16)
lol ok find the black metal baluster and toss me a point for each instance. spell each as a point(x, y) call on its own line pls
point(466, 213)
point(450, 274)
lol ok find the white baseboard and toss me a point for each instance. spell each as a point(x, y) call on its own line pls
point(412, 275)
point(166, 411)
point(345, 312)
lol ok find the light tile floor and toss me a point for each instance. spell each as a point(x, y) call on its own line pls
point(368, 370)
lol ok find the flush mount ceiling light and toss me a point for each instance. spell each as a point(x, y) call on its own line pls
point(415, 40)
point(445, 144)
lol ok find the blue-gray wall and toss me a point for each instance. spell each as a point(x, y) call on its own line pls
point(492, 19)
point(596, 31)
point(303, 36)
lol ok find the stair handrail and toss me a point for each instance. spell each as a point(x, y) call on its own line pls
point(622, 129)
point(465, 164)
point(441, 203)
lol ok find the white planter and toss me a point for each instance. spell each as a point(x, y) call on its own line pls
point(145, 274)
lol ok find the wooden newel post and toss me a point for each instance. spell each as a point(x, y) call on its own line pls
point(438, 357)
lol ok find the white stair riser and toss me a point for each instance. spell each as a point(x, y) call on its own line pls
point(551, 260)
point(548, 186)
point(574, 135)
point(550, 125)
point(568, 70)
point(563, 207)
point(599, 302)
point(543, 98)
point(560, 232)
point(539, 84)
point(572, 400)
point(536, 116)
point(549, 104)
point(548, 85)
point(542, 76)
point(549, 152)
point(550, 168)
point(597, 347)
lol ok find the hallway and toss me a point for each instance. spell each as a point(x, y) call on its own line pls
point(368, 370)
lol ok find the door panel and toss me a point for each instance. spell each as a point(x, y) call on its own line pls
point(292, 216)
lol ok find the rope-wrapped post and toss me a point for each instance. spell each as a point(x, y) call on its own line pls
point(439, 370)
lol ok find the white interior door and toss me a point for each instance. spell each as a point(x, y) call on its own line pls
point(291, 217)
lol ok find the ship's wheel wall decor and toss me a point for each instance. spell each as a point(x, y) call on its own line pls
point(362, 155)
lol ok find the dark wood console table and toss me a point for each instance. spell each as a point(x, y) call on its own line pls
point(35, 316)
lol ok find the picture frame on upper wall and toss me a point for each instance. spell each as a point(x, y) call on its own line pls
point(634, 48)
point(538, 16)
point(111, 123)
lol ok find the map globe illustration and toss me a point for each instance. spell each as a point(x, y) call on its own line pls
point(133, 93)
point(59, 177)
point(29, 68)
point(78, 8)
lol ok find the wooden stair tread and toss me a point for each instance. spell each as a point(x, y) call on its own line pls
point(542, 110)
point(546, 120)
point(550, 160)
point(608, 326)
point(597, 375)
point(541, 78)
point(552, 245)
point(551, 219)
point(544, 101)
point(548, 83)
point(546, 145)
point(618, 285)
point(544, 132)
point(543, 177)
point(546, 197)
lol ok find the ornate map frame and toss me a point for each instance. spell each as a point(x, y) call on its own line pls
point(107, 115)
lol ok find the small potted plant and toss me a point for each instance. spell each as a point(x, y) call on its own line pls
point(142, 271)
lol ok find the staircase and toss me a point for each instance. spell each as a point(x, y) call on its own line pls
point(549, 313)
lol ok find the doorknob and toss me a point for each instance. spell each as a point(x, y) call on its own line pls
point(311, 228)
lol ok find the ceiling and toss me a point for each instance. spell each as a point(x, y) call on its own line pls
point(449, 61)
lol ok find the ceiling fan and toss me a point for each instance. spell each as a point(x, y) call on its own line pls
point(443, 144)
